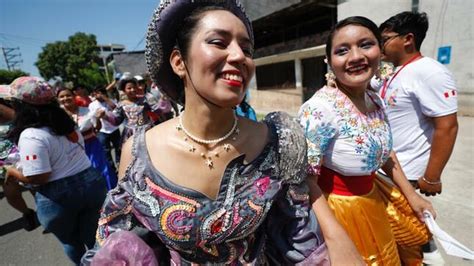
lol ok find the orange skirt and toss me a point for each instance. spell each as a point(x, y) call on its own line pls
point(381, 224)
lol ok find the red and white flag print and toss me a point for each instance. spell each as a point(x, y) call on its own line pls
point(31, 157)
point(450, 93)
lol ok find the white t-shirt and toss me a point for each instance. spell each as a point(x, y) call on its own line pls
point(85, 119)
point(107, 127)
point(423, 89)
point(42, 152)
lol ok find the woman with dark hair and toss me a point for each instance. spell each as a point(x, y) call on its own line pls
point(214, 187)
point(89, 124)
point(133, 110)
point(68, 192)
point(349, 139)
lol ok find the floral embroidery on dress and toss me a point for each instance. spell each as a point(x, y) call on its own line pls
point(343, 124)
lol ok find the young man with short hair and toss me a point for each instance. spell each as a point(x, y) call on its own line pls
point(421, 104)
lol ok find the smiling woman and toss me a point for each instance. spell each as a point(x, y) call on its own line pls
point(212, 186)
point(349, 138)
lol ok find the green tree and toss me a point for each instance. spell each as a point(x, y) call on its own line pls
point(7, 76)
point(74, 60)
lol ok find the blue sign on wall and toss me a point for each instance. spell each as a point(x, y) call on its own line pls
point(444, 54)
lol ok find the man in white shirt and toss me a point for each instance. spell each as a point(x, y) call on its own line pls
point(421, 104)
point(109, 134)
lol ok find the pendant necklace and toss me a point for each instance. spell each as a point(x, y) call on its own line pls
point(208, 156)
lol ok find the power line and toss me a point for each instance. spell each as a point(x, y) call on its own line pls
point(24, 37)
point(138, 44)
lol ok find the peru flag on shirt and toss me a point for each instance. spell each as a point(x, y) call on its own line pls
point(31, 157)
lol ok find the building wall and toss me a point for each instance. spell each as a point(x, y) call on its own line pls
point(260, 8)
point(451, 24)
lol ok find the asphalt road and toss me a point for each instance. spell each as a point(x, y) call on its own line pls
point(455, 207)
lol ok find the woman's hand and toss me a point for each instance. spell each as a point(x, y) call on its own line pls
point(100, 113)
point(419, 204)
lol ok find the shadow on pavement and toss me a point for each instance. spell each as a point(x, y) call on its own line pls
point(12, 226)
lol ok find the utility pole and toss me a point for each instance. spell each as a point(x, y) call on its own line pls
point(11, 57)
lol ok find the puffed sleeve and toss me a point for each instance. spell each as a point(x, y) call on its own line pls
point(317, 121)
point(158, 103)
point(115, 117)
point(293, 232)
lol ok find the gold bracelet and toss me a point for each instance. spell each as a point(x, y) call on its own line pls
point(431, 182)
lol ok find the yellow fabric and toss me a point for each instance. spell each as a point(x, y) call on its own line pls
point(406, 227)
point(369, 219)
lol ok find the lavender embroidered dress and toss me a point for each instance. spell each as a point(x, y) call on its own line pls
point(261, 214)
point(135, 115)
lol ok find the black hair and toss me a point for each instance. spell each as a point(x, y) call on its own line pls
point(408, 22)
point(355, 20)
point(184, 34)
point(50, 115)
point(188, 28)
point(101, 89)
point(244, 106)
point(63, 89)
point(78, 86)
point(124, 82)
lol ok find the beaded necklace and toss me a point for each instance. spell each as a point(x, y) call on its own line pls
point(207, 156)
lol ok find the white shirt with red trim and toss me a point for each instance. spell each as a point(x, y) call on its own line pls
point(422, 90)
point(42, 152)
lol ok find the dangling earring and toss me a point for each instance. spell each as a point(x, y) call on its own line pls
point(386, 70)
point(330, 77)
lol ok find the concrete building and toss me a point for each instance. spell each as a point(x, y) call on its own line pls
point(289, 51)
point(133, 62)
point(105, 52)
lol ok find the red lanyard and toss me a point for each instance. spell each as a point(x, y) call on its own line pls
point(387, 84)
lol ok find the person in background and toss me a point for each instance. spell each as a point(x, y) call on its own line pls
point(421, 105)
point(69, 192)
point(349, 139)
point(141, 86)
point(133, 111)
point(109, 134)
point(81, 97)
point(89, 124)
point(111, 88)
point(216, 188)
point(10, 157)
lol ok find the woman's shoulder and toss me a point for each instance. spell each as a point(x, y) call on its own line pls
point(291, 144)
point(40, 132)
point(163, 129)
point(324, 97)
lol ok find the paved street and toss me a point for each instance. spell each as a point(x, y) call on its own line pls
point(455, 209)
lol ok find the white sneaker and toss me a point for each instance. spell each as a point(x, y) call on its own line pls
point(433, 258)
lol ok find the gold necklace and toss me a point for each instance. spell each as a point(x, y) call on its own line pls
point(208, 156)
